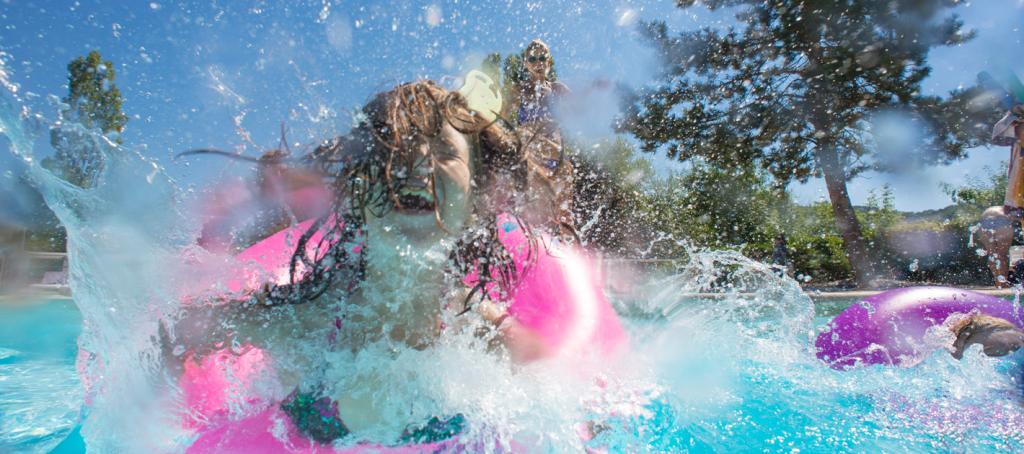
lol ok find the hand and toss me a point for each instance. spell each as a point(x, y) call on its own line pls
point(491, 312)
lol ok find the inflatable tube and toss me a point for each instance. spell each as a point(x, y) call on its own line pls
point(272, 432)
point(559, 297)
point(889, 328)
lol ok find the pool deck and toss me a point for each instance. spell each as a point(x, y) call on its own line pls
point(824, 295)
point(843, 294)
point(30, 297)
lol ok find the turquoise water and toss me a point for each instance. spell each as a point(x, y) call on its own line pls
point(732, 404)
point(39, 389)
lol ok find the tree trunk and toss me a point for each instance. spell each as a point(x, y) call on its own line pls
point(864, 268)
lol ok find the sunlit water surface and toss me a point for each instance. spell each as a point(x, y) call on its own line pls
point(39, 389)
point(708, 398)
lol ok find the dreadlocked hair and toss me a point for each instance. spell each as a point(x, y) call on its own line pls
point(366, 170)
point(480, 251)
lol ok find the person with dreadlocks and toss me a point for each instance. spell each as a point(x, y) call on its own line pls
point(371, 269)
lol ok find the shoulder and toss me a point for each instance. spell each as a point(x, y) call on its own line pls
point(559, 88)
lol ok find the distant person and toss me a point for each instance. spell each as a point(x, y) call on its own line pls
point(549, 173)
point(1009, 131)
point(995, 235)
point(996, 225)
point(780, 255)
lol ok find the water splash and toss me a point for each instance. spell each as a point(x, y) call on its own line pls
point(120, 247)
point(721, 358)
point(730, 343)
point(131, 250)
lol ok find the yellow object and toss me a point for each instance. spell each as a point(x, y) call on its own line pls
point(482, 94)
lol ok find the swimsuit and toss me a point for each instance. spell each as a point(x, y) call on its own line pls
point(549, 177)
point(318, 418)
point(535, 111)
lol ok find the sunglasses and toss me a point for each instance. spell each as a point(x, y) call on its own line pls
point(537, 58)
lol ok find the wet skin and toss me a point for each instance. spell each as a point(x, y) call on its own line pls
point(997, 337)
point(399, 301)
point(538, 64)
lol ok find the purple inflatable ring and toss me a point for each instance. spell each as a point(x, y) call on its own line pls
point(889, 328)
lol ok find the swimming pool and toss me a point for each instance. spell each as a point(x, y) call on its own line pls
point(717, 397)
point(39, 393)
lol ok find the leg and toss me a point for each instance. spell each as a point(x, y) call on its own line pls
point(995, 237)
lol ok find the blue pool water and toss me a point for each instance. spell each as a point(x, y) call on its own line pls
point(39, 393)
point(744, 404)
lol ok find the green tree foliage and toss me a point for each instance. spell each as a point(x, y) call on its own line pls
point(492, 66)
point(94, 101)
point(44, 230)
point(92, 94)
point(879, 214)
point(979, 193)
point(815, 248)
point(623, 208)
point(730, 206)
point(792, 88)
point(49, 236)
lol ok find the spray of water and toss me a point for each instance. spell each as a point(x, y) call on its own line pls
point(133, 258)
point(720, 356)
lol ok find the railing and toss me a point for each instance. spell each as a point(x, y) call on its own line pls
point(45, 255)
point(19, 269)
point(818, 295)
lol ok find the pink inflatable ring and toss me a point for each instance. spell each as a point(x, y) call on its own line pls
point(889, 328)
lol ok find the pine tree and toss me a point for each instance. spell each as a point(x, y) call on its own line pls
point(792, 87)
point(94, 101)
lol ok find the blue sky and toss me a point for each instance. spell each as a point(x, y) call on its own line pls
point(227, 74)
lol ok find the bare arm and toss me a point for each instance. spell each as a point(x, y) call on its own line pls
point(560, 89)
point(523, 343)
point(997, 336)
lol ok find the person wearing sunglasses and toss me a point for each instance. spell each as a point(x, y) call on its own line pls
point(547, 199)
